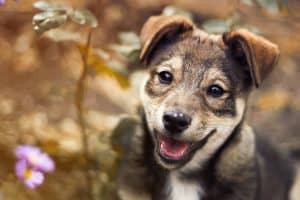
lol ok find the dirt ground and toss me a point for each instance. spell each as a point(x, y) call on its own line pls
point(38, 79)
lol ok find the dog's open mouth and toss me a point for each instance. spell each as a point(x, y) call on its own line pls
point(172, 149)
point(177, 151)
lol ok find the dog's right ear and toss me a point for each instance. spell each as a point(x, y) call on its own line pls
point(159, 26)
point(260, 54)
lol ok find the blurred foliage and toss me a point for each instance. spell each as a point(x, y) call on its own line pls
point(274, 100)
point(129, 46)
point(271, 5)
point(102, 67)
point(173, 10)
point(37, 103)
point(54, 15)
point(232, 22)
point(275, 6)
point(61, 35)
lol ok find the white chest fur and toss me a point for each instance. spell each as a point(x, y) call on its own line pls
point(183, 190)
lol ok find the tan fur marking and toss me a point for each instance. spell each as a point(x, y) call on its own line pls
point(237, 156)
point(174, 63)
point(205, 36)
point(295, 191)
point(224, 128)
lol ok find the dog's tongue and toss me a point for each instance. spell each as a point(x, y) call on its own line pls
point(171, 148)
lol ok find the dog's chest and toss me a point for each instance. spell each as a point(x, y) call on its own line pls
point(183, 190)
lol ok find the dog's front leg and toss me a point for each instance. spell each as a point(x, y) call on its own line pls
point(134, 181)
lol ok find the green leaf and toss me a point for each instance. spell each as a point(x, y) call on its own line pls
point(55, 15)
point(125, 50)
point(134, 56)
point(44, 15)
point(270, 5)
point(216, 26)
point(48, 20)
point(172, 10)
point(233, 19)
point(47, 6)
point(83, 17)
point(252, 29)
point(129, 38)
point(247, 2)
point(129, 46)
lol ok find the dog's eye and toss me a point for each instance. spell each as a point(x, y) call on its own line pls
point(165, 77)
point(215, 91)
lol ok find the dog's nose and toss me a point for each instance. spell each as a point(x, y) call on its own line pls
point(176, 122)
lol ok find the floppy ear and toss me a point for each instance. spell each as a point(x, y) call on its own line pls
point(260, 54)
point(159, 26)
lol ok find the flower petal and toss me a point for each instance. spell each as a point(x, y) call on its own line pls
point(45, 163)
point(35, 158)
point(20, 168)
point(24, 151)
point(36, 179)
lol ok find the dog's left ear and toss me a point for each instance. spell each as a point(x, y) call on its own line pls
point(158, 27)
point(260, 54)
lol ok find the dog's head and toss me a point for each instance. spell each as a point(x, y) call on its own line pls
point(197, 88)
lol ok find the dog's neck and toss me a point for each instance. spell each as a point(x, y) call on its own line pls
point(238, 154)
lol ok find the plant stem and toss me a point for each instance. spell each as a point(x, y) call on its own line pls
point(79, 100)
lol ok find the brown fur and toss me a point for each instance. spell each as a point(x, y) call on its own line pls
point(225, 160)
point(156, 27)
point(260, 53)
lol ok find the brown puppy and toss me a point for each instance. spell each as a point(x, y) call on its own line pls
point(194, 143)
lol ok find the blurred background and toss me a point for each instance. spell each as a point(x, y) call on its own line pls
point(41, 101)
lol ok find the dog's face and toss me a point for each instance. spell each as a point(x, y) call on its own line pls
point(197, 88)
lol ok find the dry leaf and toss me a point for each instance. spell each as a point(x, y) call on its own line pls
point(101, 67)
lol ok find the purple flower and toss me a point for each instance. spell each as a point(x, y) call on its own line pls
point(35, 158)
point(31, 178)
point(3, 2)
point(32, 164)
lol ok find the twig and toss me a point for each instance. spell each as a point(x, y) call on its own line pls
point(80, 92)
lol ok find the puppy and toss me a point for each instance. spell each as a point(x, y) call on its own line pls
point(194, 143)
